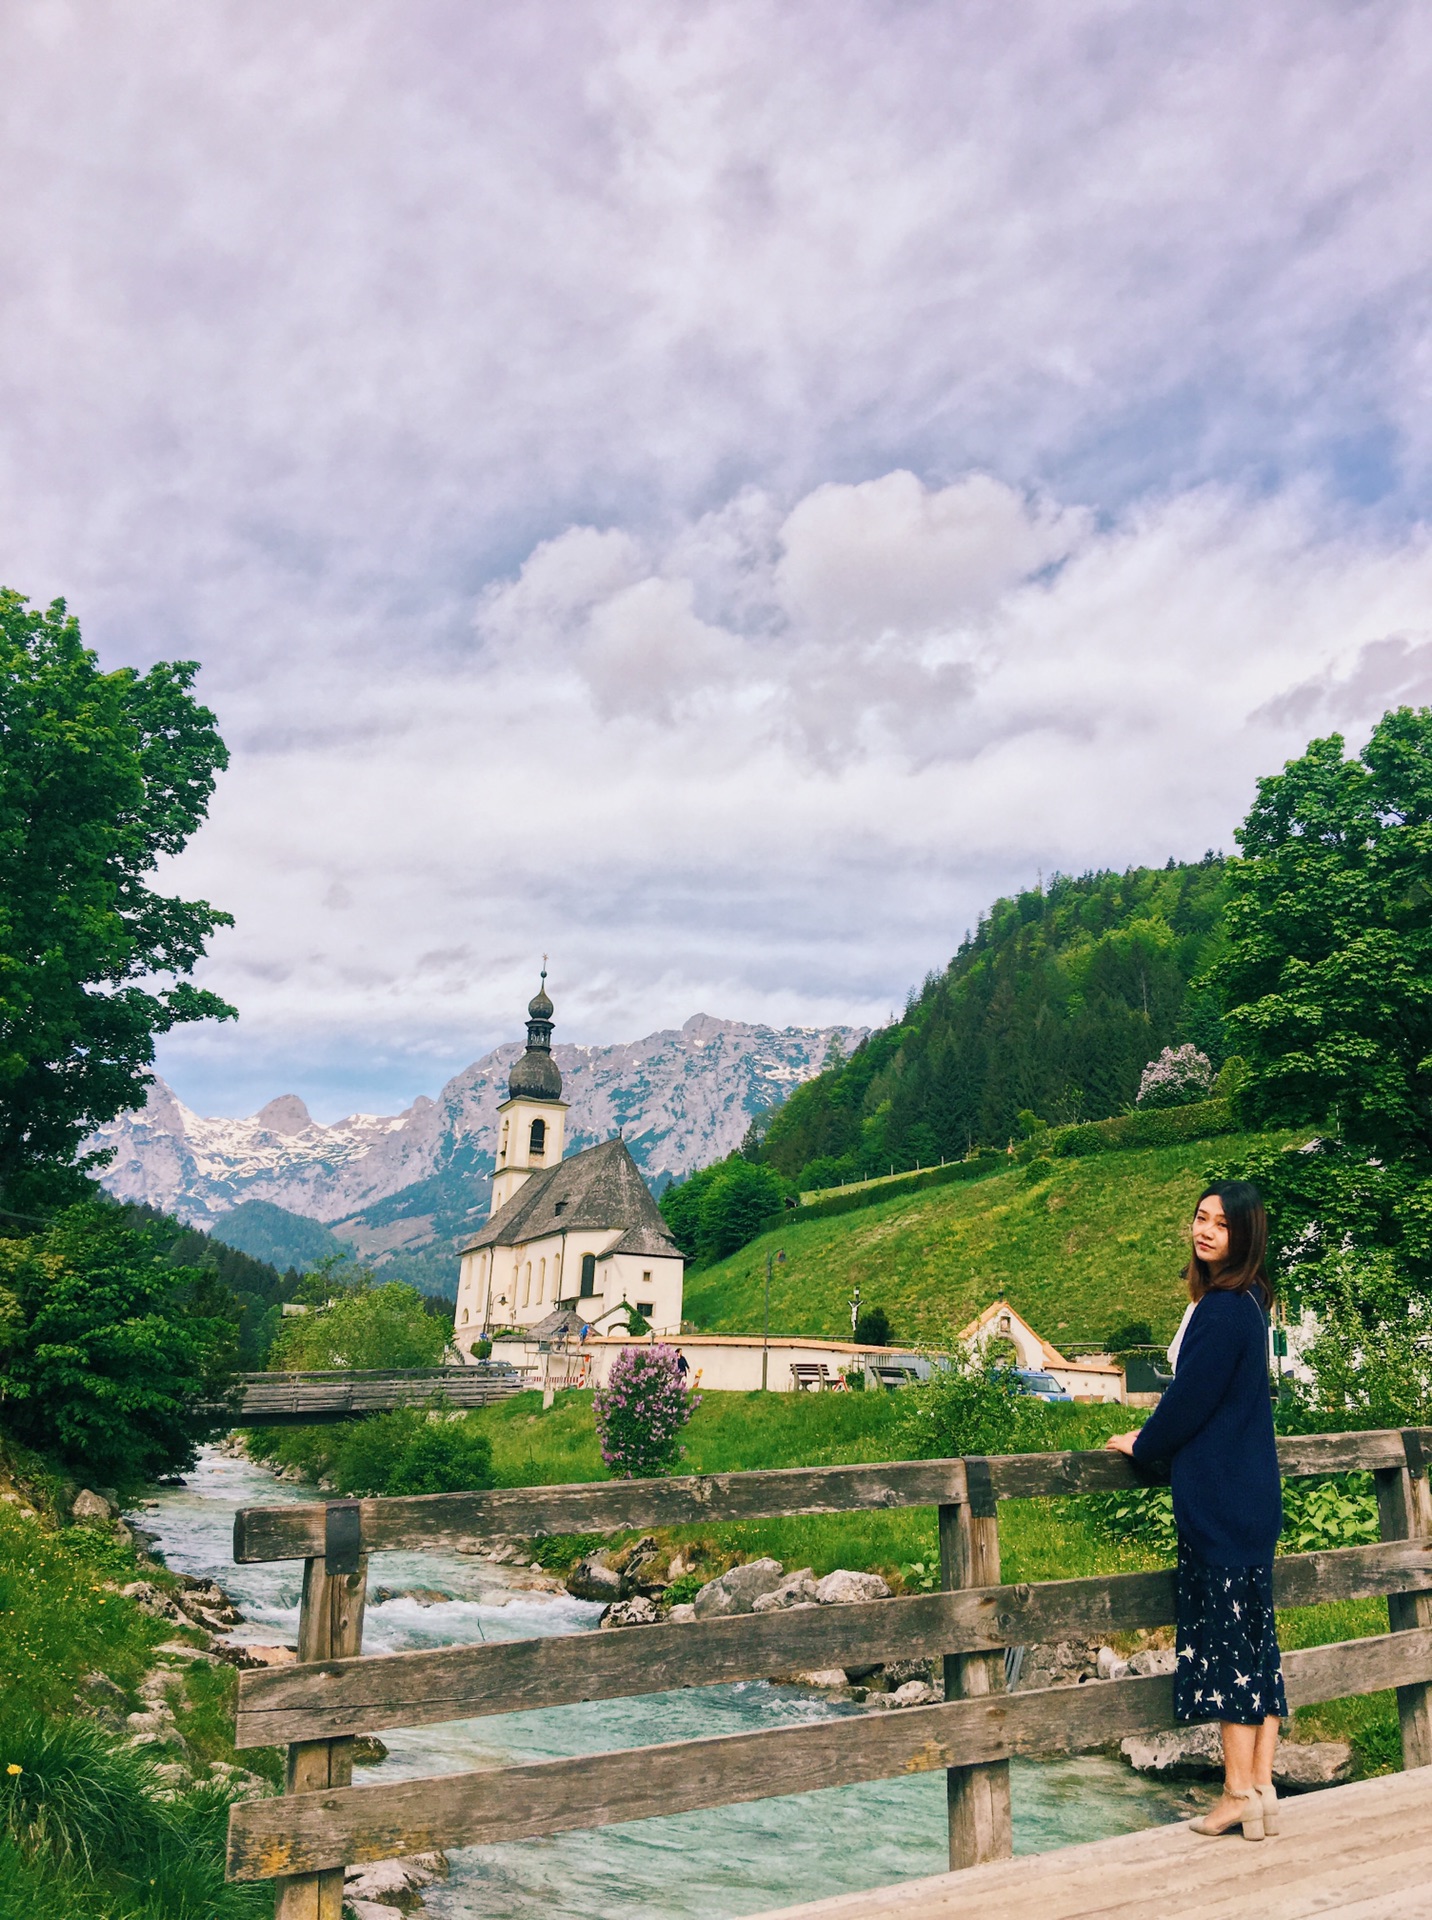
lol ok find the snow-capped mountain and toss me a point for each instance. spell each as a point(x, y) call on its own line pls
point(413, 1181)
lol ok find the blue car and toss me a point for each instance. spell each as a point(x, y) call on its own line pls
point(1042, 1385)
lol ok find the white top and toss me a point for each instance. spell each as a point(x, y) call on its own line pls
point(1177, 1341)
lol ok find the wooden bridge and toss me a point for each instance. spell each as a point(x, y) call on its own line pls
point(1343, 1850)
point(318, 1399)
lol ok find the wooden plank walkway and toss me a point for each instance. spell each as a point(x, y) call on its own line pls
point(1362, 1852)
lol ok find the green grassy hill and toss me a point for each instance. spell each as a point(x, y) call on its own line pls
point(1076, 1246)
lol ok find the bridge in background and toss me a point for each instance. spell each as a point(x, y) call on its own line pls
point(318, 1399)
point(1363, 1851)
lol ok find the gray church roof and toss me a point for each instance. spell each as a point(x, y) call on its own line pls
point(600, 1190)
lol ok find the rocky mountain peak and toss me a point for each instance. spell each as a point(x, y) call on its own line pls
point(287, 1114)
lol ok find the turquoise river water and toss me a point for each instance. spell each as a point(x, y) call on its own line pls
point(695, 1866)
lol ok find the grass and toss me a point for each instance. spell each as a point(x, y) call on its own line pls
point(1075, 1245)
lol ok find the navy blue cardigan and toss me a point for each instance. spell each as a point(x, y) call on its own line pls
point(1215, 1424)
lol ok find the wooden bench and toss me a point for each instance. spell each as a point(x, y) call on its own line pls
point(323, 1822)
point(810, 1376)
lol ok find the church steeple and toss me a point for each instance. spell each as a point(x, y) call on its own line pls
point(535, 1076)
point(532, 1119)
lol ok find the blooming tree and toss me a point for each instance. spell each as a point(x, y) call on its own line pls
point(1179, 1076)
point(641, 1411)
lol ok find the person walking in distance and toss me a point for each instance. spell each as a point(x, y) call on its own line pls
point(1214, 1426)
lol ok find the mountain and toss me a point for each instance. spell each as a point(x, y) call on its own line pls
point(404, 1189)
point(1050, 1011)
point(273, 1234)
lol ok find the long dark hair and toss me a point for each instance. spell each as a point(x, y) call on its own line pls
point(1245, 1270)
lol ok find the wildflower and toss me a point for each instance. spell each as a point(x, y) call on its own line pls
point(14, 1768)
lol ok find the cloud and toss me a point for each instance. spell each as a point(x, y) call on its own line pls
point(711, 492)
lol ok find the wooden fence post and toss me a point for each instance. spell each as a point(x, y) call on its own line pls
point(1404, 1511)
point(978, 1797)
point(330, 1627)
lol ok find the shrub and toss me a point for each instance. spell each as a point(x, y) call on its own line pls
point(975, 1405)
point(1164, 1127)
point(1177, 1078)
point(641, 1411)
point(408, 1452)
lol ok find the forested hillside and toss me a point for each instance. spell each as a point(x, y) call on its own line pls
point(1049, 1011)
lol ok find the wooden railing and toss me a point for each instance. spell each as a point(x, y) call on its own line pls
point(317, 1399)
point(323, 1822)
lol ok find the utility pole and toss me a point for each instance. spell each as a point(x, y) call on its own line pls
point(771, 1259)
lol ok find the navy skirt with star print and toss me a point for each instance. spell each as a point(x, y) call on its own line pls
point(1229, 1666)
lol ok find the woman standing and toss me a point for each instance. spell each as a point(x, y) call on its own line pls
point(1215, 1425)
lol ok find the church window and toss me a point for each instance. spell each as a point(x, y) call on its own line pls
point(589, 1275)
point(646, 1277)
point(646, 1308)
point(527, 1283)
point(537, 1145)
point(541, 1283)
point(502, 1150)
point(464, 1316)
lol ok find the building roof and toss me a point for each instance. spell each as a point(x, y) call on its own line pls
point(600, 1190)
point(535, 1076)
point(1053, 1357)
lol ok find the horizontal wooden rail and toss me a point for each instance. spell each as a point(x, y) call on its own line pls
point(317, 1399)
point(468, 1519)
point(603, 1506)
point(314, 1832)
point(323, 1700)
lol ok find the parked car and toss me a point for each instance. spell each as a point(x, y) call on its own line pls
point(1042, 1385)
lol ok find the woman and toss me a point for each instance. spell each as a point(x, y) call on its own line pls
point(1215, 1425)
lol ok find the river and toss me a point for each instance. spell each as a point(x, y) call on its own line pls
point(695, 1866)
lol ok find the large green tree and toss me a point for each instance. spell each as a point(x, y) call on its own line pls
point(114, 1351)
point(1327, 978)
point(101, 774)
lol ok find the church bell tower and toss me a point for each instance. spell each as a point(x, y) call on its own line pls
point(532, 1120)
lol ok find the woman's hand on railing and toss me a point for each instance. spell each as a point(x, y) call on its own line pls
point(1121, 1442)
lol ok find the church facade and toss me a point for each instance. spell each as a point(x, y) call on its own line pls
point(580, 1235)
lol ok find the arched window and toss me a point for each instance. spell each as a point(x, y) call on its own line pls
point(464, 1316)
point(541, 1283)
point(527, 1283)
point(537, 1144)
point(502, 1150)
point(589, 1275)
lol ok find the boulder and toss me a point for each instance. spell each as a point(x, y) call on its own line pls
point(368, 1750)
point(796, 1590)
point(1111, 1666)
point(147, 1597)
point(897, 1672)
point(736, 1590)
point(811, 1677)
point(247, 1657)
point(916, 1693)
point(843, 1588)
point(1058, 1663)
point(637, 1565)
point(1153, 1660)
point(639, 1611)
point(682, 1611)
point(1301, 1765)
point(593, 1579)
point(1197, 1753)
point(386, 1886)
point(90, 1508)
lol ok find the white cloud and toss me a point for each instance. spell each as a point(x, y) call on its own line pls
point(715, 492)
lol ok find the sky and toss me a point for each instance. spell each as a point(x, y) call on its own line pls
point(712, 492)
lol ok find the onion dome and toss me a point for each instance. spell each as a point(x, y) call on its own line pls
point(535, 1076)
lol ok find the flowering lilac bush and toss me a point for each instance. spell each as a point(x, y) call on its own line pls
point(1178, 1077)
point(641, 1411)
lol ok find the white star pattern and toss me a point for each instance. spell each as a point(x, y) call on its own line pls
point(1229, 1645)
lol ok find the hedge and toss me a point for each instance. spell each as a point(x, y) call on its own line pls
point(1162, 1127)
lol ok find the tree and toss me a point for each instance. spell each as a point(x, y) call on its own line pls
point(872, 1329)
point(1178, 1077)
point(118, 1349)
point(721, 1207)
point(365, 1326)
point(1328, 971)
point(100, 775)
point(1327, 979)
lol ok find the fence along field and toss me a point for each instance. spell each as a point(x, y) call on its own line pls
point(322, 1822)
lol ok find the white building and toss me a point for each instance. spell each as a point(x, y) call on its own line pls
point(1096, 1377)
point(581, 1234)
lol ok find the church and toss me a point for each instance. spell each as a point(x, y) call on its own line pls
point(580, 1236)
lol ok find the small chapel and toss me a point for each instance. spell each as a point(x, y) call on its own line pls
point(569, 1241)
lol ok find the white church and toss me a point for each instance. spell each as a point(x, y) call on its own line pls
point(579, 1239)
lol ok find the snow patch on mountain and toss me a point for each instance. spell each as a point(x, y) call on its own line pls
point(681, 1098)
